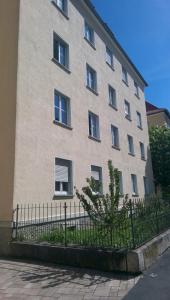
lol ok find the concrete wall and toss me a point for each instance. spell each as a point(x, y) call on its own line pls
point(38, 139)
point(9, 18)
point(132, 261)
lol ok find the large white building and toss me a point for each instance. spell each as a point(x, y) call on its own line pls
point(71, 99)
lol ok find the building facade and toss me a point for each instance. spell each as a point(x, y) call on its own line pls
point(71, 99)
point(157, 116)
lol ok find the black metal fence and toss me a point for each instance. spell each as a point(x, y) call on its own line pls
point(69, 224)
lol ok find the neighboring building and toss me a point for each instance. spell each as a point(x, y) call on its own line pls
point(71, 99)
point(157, 116)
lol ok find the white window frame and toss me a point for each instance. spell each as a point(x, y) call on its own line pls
point(91, 83)
point(124, 75)
point(61, 96)
point(131, 145)
point(94, 125)
point(115, 136)
point(134, 184)
point(136, 89)
point(60, 43)
point(127, 110)
point(90, 37)
point(99, 171)
point(112, 97)
point(60, 4)
point(68, 164)
point(146, 185)
point(121, 183)
point(109, 54)
point(139, 120)
point(142, 150)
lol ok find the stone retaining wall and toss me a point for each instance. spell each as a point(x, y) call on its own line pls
point(134, 261)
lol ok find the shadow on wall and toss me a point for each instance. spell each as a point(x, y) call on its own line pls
point(149, 173)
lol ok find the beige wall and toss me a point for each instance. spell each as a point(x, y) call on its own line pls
point(158, 119)
point(9, 18)
point(38, 140)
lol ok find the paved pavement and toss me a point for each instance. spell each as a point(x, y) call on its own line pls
point(155, 284)
point(35, 281)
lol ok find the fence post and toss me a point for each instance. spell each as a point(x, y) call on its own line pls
point(157, 219)
point(15, 223)
point(132, 224)
point(65, 224)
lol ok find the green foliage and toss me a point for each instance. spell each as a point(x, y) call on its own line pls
point(104, 209)
point(96, 236)
point(160, 151)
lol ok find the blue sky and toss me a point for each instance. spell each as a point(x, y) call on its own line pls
point(143, 29)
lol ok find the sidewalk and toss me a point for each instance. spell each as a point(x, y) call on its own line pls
point(155, 282)
point(35, 281)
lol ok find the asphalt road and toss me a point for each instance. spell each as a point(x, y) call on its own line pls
point(155, 284)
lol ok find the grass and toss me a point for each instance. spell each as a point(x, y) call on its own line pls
point(146, 225)
point(93, 237)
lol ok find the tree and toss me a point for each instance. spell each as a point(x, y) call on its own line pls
point(160, 152)
point(103, 209)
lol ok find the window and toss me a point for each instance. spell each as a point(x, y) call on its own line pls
point(127, 110)
point(91, 79)
point(109, 57)
point(112, 97)
point(130, 145)
point(94, 126)
point(96, 173)
point(61, 4)
point(146, 186)
point(142, 151)
point(139, 120)
point(136, 89)
point(89, 34)
point(134, 184)
point(63, 177)
point(61, 109)
point(115, 136)
point(61, 51)
point(124, 75)
point(120, 183)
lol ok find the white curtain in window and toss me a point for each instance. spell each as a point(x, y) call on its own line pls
point(95, 174)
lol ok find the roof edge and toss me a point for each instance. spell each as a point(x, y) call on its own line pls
point(157, 111)
point(111, 34)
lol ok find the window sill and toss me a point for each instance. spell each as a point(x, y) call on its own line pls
point(140, 127)
point(62, 125)
point(91, 44)
point(91, 90)
point(112, 106)
point(135, 195)
point(131, 154)
point(61, 197)
point(115, 147)
point(60, 10)
point(128, 118)
point(94, 139)
point(143, 158)
point(110, 66)
point(125, 83)
point(60, 65)
point(137, 96)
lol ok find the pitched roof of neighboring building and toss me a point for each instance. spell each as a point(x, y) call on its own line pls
point(109, 31)
point(152, 109)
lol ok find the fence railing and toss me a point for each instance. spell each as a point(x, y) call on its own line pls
point(69, 224)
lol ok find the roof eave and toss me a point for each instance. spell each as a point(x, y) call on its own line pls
point(108, 30)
